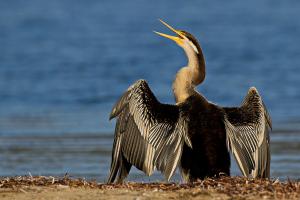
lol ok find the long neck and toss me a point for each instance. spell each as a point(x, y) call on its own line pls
point(197, 63)
point(190, 76)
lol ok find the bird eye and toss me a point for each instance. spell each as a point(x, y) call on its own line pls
point(182, 34)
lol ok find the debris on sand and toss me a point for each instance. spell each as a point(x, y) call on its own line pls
point(231, 186)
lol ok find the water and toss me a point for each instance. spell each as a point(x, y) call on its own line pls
point(64, 63)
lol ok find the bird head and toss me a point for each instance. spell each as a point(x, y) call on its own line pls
point(184, 39)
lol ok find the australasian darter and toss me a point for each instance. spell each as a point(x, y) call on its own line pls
point(195, 134)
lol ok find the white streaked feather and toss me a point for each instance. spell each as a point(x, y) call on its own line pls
point(248, 141)
point(149, 142)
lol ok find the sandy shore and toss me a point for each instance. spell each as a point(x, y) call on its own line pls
point(91, 194)
point(225, 188)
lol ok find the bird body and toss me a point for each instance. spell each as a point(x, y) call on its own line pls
point(209, 155)
point(195, 134)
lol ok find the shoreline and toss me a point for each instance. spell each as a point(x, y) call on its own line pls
point(42, 187)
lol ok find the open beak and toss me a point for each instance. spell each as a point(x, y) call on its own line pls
point(178, 39)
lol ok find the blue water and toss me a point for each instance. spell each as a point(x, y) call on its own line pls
point(64, 63)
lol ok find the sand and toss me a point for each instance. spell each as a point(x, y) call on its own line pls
point(91, 194)
point(40, 187)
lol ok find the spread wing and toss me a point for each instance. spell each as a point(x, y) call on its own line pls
point(247, 129)
point(148, 134)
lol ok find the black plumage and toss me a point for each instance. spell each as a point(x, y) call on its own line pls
point(209, 156)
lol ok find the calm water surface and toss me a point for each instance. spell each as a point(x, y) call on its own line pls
point(64, 63)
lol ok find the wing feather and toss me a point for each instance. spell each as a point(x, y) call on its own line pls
point(152, 134)
point(247, 129)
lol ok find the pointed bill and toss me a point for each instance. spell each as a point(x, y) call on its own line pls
point(174, 38)
point(171, 28)
point(178, 40)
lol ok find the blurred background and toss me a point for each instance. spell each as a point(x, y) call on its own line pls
point(64, 63)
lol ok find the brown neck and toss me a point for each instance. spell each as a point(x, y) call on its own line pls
point(187, 78)
point(197, 63)
point(182, 85)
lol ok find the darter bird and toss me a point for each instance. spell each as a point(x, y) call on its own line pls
point(194, 134)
